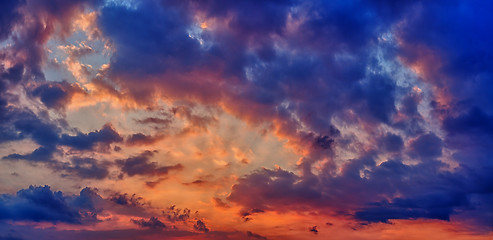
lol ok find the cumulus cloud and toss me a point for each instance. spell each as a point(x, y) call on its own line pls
point(42, 204)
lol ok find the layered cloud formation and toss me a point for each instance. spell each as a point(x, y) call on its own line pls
point(246, 119)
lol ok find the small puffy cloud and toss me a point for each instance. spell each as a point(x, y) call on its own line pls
point(200, 226)
point(152, 223)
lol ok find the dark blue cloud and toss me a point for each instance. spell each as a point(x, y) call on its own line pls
point(458, 34)
point(391, 142)
point(427, 146)
point(42, 204)
point(27, 125)
point(436, 205)
point(43, 133)
point(83, 141)
point(425, 191)
point(41, 154)
point(9, 16)
point(378, 98)
point(149, 34)
point(56, 95)
point(473, 122)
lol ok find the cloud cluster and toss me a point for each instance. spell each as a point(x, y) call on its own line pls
point(42, 204)
point(388, 104)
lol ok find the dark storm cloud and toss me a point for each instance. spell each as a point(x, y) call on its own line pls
point(437, 205)
point(28, 232)
point(141, 165)
point(42, 204)
point(426, 191)
point(10, 237)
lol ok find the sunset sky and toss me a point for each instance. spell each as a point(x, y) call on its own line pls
point(246, 119)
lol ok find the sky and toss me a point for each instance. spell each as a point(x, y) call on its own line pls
point(246, 119)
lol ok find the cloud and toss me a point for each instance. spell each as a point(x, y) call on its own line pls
point(369, 192)
point(10, 15)
point(40, 204)
point(41, 154)
point(56, 95)
point(474, 121)
point(219, 203)
point(313, 229)
point(427, 145)
point(152, 223)
point(438, 205)
point(255, 236)
point(126, 200)
point(141, 165)
point(102, 138)
point(391, 142)
point(85, 168)
point(354, 87)
point(200, 226)
point(138, 139)
point(282, 188)
point(174, 214)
